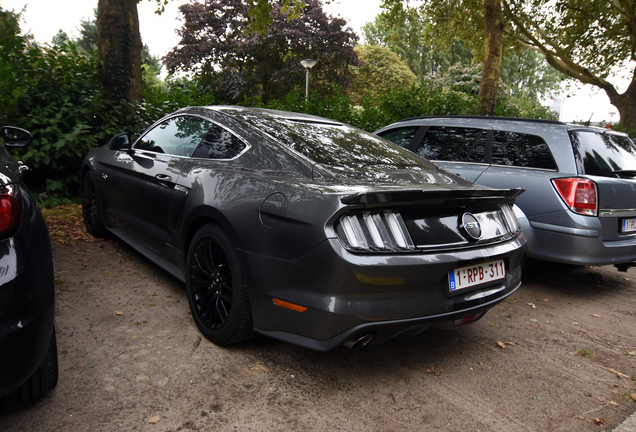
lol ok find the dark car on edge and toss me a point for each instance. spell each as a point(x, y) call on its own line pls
point(303, 229)
point(580, 202)
point(28, 350)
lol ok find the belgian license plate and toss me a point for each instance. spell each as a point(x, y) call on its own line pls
point(466, 277)
point(629, 225)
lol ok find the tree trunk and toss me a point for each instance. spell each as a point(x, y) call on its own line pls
point(119, 44)
point(625, 103)
point(493, 21)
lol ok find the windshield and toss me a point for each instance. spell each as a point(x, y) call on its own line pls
point(604, 154)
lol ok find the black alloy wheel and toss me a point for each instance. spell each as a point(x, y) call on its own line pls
point(216, 290)
point(91, 209)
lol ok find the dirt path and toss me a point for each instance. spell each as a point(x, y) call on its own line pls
point(131, 359)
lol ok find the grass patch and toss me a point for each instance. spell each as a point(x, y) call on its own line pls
point(586, 352)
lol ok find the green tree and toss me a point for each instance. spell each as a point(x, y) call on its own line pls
point(219, 45)
point(381, 71)
point(55, 93)
point(408, 40)
point(60, 38)
point(585, 40)
point(87, 40)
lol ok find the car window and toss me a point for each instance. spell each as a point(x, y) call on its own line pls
point(402, 136)
point(522, 150)
point(219, 143)
point(335, 144)
point(453, 144)
point(178, 136)
point(603, 154)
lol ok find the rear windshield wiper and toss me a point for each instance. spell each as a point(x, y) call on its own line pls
point(625, 173)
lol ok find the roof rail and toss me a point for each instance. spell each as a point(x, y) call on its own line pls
point(485, 118)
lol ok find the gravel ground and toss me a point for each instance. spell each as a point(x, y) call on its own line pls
point(559, 355)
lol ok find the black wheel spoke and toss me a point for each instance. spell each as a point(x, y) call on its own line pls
point(211, 284)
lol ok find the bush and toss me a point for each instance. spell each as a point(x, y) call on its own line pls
point(55, 93)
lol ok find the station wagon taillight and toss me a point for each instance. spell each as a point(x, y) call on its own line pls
point(9, 209)
point(579, 194)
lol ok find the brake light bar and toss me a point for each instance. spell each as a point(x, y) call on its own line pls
point(579, 194)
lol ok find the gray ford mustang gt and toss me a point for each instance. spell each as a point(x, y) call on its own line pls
point(303, 229)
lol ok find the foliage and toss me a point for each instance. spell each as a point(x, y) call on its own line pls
point(453, 94)
point(59, 39)
point(87, 41)
point(586, 41)
point(56, 94)
point(525, 72)
point(381, 71)
point(218, 45)
point(408, 39)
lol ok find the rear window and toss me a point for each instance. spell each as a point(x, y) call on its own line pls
point(521, 150)
point(334, 144)
point(604, 154)
point(453, 144)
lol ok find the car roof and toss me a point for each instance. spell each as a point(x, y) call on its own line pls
point(503, 120)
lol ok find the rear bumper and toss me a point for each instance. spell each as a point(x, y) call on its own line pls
point(578, 246)
point(348, 296)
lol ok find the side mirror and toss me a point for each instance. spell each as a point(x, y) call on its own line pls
point(16, 137)
point(120, 142)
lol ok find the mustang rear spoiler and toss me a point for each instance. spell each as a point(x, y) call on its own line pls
point(432, 197)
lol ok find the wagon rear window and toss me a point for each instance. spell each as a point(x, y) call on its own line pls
point(604, 154)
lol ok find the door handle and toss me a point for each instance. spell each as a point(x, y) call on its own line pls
point(164, 180)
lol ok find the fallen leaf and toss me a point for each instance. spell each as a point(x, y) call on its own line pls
point(633, 396)
point(154, 419)
point(533, 320)
point(434, 370)
point(501, 344)
point(575, 323)
point(532, 305)
point(546, 300)
point(511, 343)
point(92, 365)
point(153, 294)
point(599, 421)
point(118, 313)
point(631, 353)
point(596, 315)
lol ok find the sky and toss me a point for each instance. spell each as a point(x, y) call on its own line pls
point(44, 18)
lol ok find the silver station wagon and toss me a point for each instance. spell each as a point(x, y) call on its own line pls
point(580, 201)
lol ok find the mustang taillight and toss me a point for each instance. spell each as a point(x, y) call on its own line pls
point(579, 194)
point(511, 219)
point(374, 232)
point(9, 209)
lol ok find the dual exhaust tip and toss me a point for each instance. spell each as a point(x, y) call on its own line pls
point(359, 341)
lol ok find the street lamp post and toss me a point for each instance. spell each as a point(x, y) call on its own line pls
point(307, 64)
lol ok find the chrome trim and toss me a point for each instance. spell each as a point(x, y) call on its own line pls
point(617, 213)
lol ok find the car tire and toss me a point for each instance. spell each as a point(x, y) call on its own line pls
point(42, 381)
point(216, 288)
point(91, 208)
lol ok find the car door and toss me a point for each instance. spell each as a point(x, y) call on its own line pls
point(143, 194)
